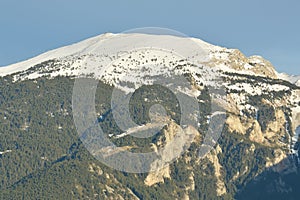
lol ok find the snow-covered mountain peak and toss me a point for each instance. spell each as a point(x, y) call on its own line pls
point(109, 43)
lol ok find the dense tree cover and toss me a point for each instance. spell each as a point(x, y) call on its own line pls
point(272, 185)
point(48, 161)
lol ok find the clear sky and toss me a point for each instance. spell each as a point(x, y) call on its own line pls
point(265, 27)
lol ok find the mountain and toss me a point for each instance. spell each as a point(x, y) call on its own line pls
point(291, 78)
point(229, 128)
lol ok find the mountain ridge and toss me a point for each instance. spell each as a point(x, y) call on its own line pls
point(218, 53)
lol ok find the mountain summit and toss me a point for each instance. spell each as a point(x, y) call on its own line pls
point(215, 56)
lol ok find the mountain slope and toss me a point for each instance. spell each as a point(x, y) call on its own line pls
point(41, 146)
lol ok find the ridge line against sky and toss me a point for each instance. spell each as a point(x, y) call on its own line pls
point(267, 28)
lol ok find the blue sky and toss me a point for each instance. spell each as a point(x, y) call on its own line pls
point(268, 28)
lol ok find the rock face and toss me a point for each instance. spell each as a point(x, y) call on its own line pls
point(158, 176)
point(174, 139)
point(213, 157)
point(234, 59)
